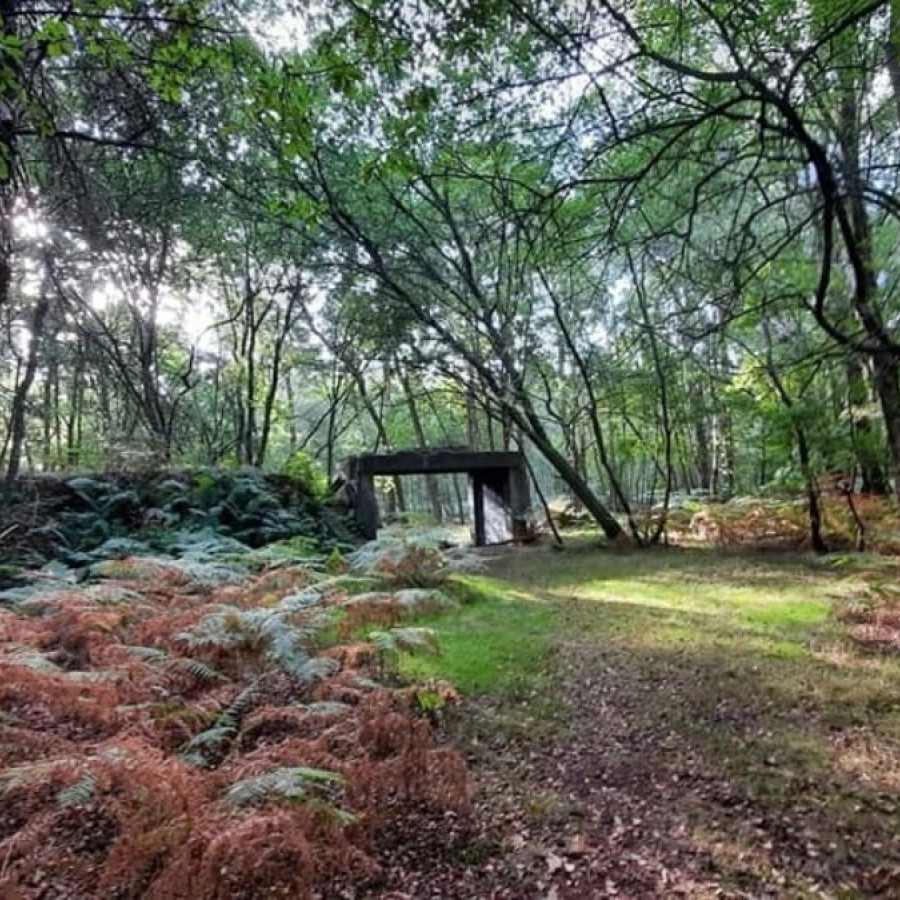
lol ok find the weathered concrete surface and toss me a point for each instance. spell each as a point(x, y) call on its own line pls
point(498, 487)
point(430, 462)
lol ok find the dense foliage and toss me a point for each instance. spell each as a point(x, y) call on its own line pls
point(652, 244)
point(195, 727)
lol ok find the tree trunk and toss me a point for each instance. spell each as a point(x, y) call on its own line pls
point(576, 484)
point(292, 413)
point(73, 417)
point(9, 102)
point(274, 378)
point(812, 493)
point(862, 432)
point(893, 53)
point(471, 419)
point(432, 485)
point(47, 421)
point(20, 397)
point(887, 386)
point(250, 395)
point(399, 498)
point(517, 404)
point(885, 362)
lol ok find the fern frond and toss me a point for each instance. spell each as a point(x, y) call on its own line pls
point(308, 598)
point(25, 774)
point(406, 640)
point(194, 758)
point(327, 708)
point(422, 601)
point(285, 784)
point(341, 817)
point(148, 654)
point(316, 668)
point(220, 733)
point(225, 629)
point(286, 652)
point(199, 671)
point(241, 705)
point(79, 793)
point(352, 584)
point(30, 658)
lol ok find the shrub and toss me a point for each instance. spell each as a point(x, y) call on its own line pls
point(303, 469)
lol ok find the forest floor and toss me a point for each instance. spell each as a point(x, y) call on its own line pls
point(691, 722)
point(666, 723)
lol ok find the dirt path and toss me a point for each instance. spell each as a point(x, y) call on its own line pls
point(594, 810)
point(621, 793)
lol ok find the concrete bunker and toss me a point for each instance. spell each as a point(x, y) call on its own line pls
point(499, 495)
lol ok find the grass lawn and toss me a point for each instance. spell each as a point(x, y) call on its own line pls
point(498, 642)
point(730, 669)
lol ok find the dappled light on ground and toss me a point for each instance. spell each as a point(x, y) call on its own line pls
point(679, 725)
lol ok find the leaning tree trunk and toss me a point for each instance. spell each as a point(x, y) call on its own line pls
point(576, 483)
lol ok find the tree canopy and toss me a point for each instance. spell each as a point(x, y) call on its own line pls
point(650, 243)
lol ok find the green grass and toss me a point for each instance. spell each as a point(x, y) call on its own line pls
point(736, 659)
point(757, 631)
point(753, 631)
point(497, 642)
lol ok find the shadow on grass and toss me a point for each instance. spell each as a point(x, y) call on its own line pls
point(804, 752)
point(725, 676)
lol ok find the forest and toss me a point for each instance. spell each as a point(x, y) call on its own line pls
point(649, 245)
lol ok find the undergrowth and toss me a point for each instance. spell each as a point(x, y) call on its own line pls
point(860, 521)
point(170, 736)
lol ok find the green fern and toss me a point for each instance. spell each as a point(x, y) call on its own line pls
point(285, 633)
point(119, 504)
point(316, 668)
point(79, 793)
point(214, 742)
point(199, 671)
point(214, 736)
point(302, 601)
point(194, 758)
point(241, 705)
point(405, 640)
point(391, 643)
point(424, 601)
point(285, 784)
